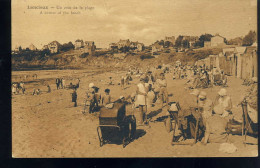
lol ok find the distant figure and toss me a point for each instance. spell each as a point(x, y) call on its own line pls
point(122, 82)
point(22, 87)
point(38, 91)
point(74, 97)
point(106, 99)
point(57, 83)
point(49, 89)
point(61, 82)
point(97, 97)
point(110, 81)
point(34, 92)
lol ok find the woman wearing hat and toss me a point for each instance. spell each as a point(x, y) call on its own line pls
point(141, 93)
point(223, 104)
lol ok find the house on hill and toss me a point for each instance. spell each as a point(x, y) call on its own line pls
point(170, 39)
point(217, 40)
point(54, 47)
point(32, 47)
point(79, 44)
point(123, 43)
point(207, 44)
point(113, 46)
point(90, 47)
point(140, 47)
point(156, 47)
point(192, 40)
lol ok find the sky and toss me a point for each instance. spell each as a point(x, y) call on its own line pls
point(138, 20)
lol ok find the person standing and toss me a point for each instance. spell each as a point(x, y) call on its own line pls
point(163, 93)
point(74, 97)
point(122, 82)
point(61, 82)
point(58, 83)
point(206, 105)
point(49, 89)
point(140, 102)
point(22, 87)
point(106, 99)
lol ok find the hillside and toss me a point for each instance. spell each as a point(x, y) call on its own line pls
point(76, 59)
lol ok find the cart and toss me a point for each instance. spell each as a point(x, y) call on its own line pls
point(114, 125)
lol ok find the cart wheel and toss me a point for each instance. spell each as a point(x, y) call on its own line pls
point(101, 141)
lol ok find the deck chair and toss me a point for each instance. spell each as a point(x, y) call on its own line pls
point(248, 127)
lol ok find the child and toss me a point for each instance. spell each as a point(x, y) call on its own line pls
point(106, 99)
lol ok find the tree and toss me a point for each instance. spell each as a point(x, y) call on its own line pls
point(161, 43)
point(202, 38)
point(67, 46)
point(235, 41)
point(185, 43)
point(178, 42)
point(168, 44)
point(250, 38)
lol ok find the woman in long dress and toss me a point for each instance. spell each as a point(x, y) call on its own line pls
point(141, 92)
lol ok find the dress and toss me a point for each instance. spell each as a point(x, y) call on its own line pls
point(140, 99)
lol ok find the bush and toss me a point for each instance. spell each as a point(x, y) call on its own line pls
point(146, 56)
point(84, 55)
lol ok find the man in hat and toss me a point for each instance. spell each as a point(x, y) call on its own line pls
point(223, 104)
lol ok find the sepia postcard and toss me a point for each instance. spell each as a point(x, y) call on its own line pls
point(131, 78)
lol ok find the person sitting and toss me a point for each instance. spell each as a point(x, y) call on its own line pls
point(223, 104)
point(106, 99)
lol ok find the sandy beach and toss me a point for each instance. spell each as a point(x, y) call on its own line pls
point(47, 125)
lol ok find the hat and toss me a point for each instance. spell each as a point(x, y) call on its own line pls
point(195, 92)
point(91, 85)
point(254, 79)
point(202, 95)
point(222, 92)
